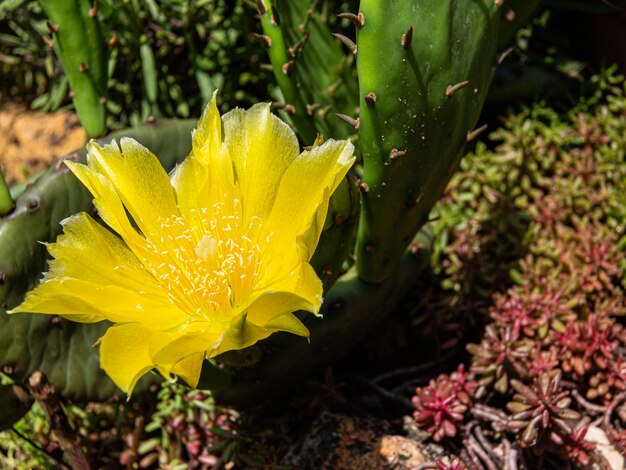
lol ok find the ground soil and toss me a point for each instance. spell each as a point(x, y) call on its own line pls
point(30, 141)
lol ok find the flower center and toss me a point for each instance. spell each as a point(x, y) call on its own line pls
point(208, 260)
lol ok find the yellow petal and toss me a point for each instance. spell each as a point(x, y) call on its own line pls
point(167, 350)
point(207, 137)
point(302, 291)
point(261, 147)
point(289, 323)
point(124, 354)
point(107, 202)
point(244, 333)
point(302, 200)
point(138, 178)
point(94, 276)
point(207, 175)
point(240, 335)
point(189, 369)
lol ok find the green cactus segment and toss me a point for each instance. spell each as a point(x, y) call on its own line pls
point(424, 71)
point(312, 69)
point(67, 355)
point(6, 200)
point(81, 49)
point(336, 241)
point(290, 360)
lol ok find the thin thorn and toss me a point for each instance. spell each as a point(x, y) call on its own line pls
point(510, 16)
point(261, 7)
point(83, 67)
point(49, 42)
point(370, 98)
point(453, 88)
point(93, 11)
point(471, 135)
point(358, 20)
point(349, 43)
point(114, 39)
point(497, 2)
point(395, 153)
point(265, 40)
point(288, 67)
point(293, 51)
point(289, 108)
point(407, 38)
point(350, 120)
point(311, 108)
point(53, 28)
point(275, 17)
point(364, 188)
point(502, 57)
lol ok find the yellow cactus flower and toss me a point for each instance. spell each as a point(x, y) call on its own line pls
point(213, 259)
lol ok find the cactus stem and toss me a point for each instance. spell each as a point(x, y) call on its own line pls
point(502, 57)
point(349, 43)
point(311, 108)
point(275, 17)
point(471, 135)
point(451, 89)
point(364, 188)
point(407, 37)
point(288, 67)
point(370, 98)
point(83, 67)
point(395, 153)
point(350, 120)
point(260, 6)
point(358, 20)
point(114, 39)
point(263, 39)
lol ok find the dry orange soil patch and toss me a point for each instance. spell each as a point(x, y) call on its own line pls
point(30, 141)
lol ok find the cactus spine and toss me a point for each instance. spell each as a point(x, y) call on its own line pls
point(80, 47)
point(424, 70)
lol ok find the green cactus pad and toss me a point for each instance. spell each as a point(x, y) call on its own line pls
point(424, 71)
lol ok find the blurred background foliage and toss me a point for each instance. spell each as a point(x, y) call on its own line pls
point(165, 57)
